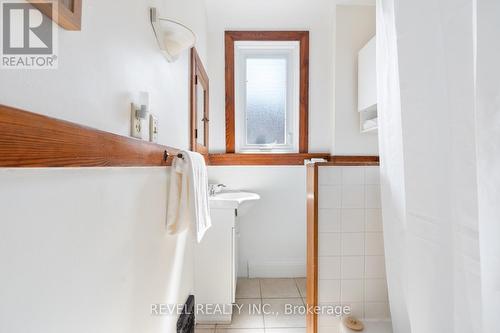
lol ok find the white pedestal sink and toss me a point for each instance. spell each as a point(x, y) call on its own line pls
point(232, 199)
point(216, 257)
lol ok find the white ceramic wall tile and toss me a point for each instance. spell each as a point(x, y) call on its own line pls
point(357, 308)
point(353, 244)
point(351, 247)
point(375, 267)
point(376, 290)
point(329, 220)
point(377, 310)
point(353, 176)
point(374, 244)
point(330, 176)
point(352, 291)
point(329, 329)
point(353, 196)
point(353, 220)
point(329, 291)
point(372, 196)
point(329, 196)
point(353, 267)
point(329, 244)
point(372, 175)
point(373, 220)
point(329, 268)
point(327, 321)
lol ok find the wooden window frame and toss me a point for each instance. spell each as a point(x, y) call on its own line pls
point(303, 38)
point(198, 75)
point(67, 18)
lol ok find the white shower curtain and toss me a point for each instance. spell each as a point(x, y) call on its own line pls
point(488, 157)
point(440, 193)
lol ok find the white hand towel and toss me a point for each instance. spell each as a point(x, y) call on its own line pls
point(188, 195)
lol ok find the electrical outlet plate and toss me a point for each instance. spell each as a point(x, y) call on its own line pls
point(136, 129)
point(153, 128)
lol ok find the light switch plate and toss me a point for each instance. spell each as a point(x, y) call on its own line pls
point(153, 128)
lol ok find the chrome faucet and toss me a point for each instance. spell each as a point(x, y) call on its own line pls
point(215, 188)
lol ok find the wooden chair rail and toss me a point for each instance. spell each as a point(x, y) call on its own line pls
point(351, 161)
point(263, 159)
point(33, 140)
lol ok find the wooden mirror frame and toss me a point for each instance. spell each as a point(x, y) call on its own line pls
point(198, 75)
point(68, 18)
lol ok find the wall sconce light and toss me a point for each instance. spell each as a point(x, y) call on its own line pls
point(173, 37)
point(139, 114)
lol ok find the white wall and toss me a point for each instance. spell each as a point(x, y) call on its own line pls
point(355, 25)
point(317, 17)
point(85, 250)
point(273, 230)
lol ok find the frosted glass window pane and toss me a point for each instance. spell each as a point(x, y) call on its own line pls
point(266, 100)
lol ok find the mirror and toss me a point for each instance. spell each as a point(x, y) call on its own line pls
point(200, 114)
point(199, 105)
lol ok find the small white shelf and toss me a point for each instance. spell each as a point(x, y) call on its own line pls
point(373, 130)
point(372, 107)
point(365, 116)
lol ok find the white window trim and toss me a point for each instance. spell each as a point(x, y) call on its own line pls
point(291, 49)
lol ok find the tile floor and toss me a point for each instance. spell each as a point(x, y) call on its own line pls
point(276, 293)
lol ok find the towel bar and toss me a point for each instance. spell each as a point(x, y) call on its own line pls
point(166, 155)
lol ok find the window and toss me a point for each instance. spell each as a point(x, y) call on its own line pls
point(266, 92)
point(267, 96)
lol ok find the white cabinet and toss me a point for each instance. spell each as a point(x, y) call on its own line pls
point(367, 76)
point(216, 257)
point(216, 268)
point(367, 86)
